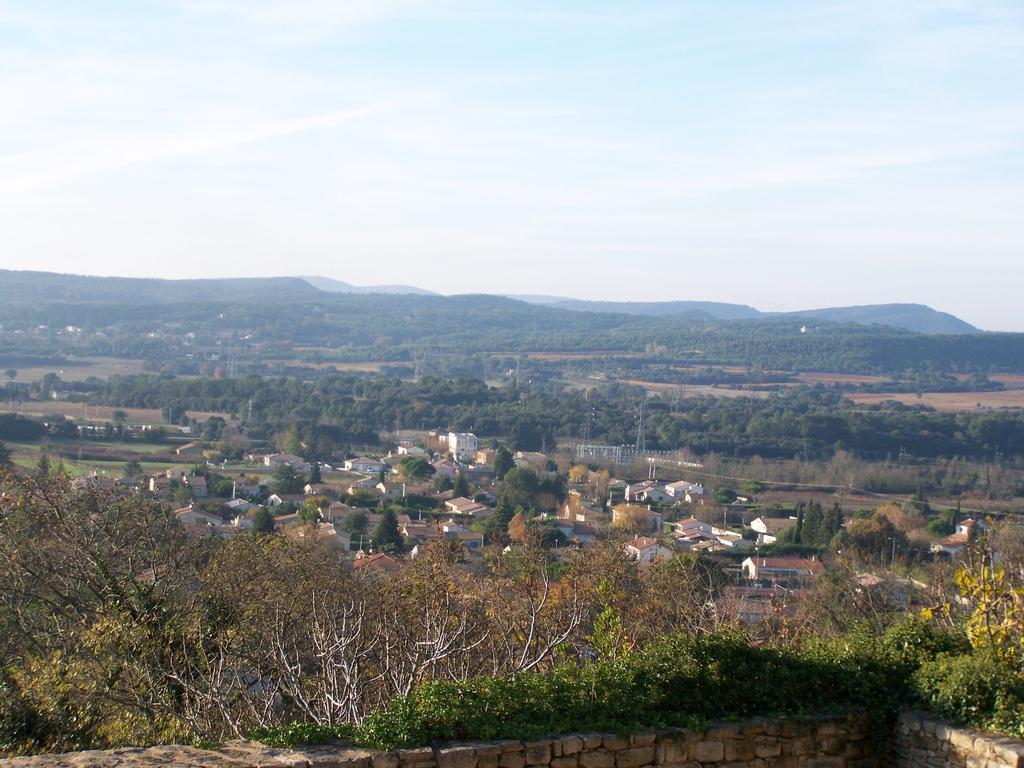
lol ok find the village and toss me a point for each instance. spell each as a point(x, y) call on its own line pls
point(483, 501)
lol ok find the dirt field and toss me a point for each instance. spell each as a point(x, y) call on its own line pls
point(360, 367)
point(81, 368)
point(947, 401)
point(97, 413)
point(837, 378)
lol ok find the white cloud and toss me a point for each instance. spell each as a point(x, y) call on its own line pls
point(58, 166)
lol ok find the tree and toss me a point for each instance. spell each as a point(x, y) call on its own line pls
point(812, 530)
point(724, 496)
point(386, 535)
point(415, 469)
point(309, 513)
point(314, 473)
point(519, 488)
point(263, 522)
point(355, 523)
point(502, 462)
point(461, 486)
point(11, 374)
point(5, 455)
point(43, 466)
point(291, 442)
point(578, 474)
point(132, 469)
point(287, 480)
point(518, 527)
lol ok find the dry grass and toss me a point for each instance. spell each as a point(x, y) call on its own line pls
point(94, 413)
point(947, 401)
point(837, 378)
point(80, 368)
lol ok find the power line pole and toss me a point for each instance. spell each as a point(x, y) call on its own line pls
point(641, 441)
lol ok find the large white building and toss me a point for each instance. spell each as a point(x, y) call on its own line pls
point(462, 445)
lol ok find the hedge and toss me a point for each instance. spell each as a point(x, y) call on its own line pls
point(682, 680)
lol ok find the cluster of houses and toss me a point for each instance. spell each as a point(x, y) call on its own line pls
point(662, 517)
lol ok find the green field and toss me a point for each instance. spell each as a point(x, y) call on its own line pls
point(26, 455)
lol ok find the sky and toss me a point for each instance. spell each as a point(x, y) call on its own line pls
point(782, 154)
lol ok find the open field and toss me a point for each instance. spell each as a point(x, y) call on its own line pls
point(96, 413)
point(80, 368)
point(26, 455)
point(854, 500)
point(947, 401)
point(808, 377)
point(366, 366)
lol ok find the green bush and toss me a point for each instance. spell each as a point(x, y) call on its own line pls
point(686, 680)
point(680, 680)
point(975, 689)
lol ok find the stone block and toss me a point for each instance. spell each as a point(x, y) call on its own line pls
point(962, 740)
point(740, 748)
point(565, 761)
point(823, 762)
point(538, 752)
point(591, 740)
point(613, 742)
point(598, 758)
point(833, 745)
point(489, 760)
point(722, 732)
point(385, 760)
point(800, 746)
point(513, 759)
point(673, 750)
point(1009, 751)
point(767, 747)
point(571, 745)
point(455, 757)
point(643, 739)
point(708, 751)
point(635, 757)
point(417, 755)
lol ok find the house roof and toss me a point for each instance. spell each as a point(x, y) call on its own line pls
point(376, 562)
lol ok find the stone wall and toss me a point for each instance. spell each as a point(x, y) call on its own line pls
point(922, 742)
point(818, 742)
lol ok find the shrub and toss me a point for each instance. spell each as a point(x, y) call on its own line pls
point(975, 689)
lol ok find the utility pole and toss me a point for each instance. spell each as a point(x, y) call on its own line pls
point(641, 441)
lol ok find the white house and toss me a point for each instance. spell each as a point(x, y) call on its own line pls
point(411, 450)
point(769, 528)
point(682, 490)
point(953, 545)
point(364, 464)
point(275, 460)
point(462, 445)
point(240, 506)
point(463, 506)
point(646, 550)
point(768, 568)
point(649, 491)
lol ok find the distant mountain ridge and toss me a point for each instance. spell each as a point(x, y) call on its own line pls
point(33, 287)
point(29, 286)
point(330, 285)
point(912, 317)
point(918, 318)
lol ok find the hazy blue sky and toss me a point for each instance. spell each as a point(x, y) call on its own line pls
point(781, 154)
